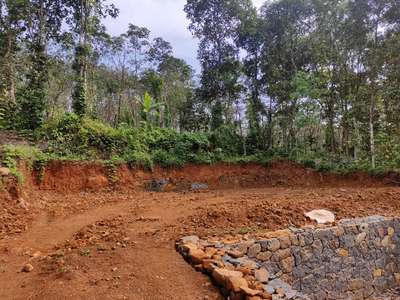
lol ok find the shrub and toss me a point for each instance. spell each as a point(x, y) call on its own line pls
point(167, 159)
point(140, 159)
point(72, 136)
point(12, 154)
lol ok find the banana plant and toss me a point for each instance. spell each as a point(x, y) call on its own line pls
point(149, 109)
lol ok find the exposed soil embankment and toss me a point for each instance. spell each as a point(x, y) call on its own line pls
point(21, 202)
point(75, 177)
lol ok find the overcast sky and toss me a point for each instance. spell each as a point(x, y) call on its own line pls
point(165, 18)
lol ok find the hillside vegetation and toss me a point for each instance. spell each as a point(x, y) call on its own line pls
point(313, 81)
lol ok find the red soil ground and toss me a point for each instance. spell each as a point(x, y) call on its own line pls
point(86, 240)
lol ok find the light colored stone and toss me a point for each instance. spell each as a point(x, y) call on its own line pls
point(273, 245)
point(235, 283)
point(185, 248)
point(294, 240)
point(23, 204)
point(390, 268)
point(343, 252)
point(321, 216)
point(378, 273)
point(220, 275)
point(280, 292)
point(192, 239)
point(210, 251)
point(386, 241)
point(361, 237)
point(390, 231)
point(235, 253)
point(27, 268)
point(264, 256)
point(285, 253)
point(287, 264)
point(356, 284)
point(210, 264)
point(197, 255)
point(285, 242)
point(37, 254)
point(262, 275)
point(244, 270)
point(4, 172)
point(397, 277)
point(254, 250)
point(269, 289)
point(247, 263)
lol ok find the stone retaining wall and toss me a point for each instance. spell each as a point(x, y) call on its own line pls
point(356, 259)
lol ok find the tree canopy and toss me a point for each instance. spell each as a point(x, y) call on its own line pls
point(306, 79)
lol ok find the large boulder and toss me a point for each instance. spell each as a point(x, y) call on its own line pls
point(158, 185)
point(225, 277)
point(321, 216)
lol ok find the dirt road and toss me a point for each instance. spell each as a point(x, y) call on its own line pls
point(120, 244)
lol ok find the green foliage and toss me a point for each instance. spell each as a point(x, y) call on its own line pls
point(166, 159)
point(140, 159)
point(227, 140)
point(79, 97)
point(150, 110)
point(2, 117)
point(388, 150)
point(33, 96)
point(72, 137)
point(111, 167)
point(31, 113)
point(313, 81)
point(75, 137)
point(12, 154)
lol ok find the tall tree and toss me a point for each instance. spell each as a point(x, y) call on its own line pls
point(12, 26)
point(86, 24)
point(286, 27)
point(215, 24)
point(139, 43)
point(44, 24)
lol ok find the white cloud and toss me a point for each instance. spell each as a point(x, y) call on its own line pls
point(164, 18)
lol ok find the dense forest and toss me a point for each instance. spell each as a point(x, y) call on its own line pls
point(316, 81)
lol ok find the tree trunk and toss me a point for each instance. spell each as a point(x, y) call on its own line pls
point(269, 133)
point(371, 132)
point(9, 84)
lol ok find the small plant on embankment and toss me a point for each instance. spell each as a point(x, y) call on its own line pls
point(34, 157)
point(111, 168)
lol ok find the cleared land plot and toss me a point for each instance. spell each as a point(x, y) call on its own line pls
point(120, 244)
